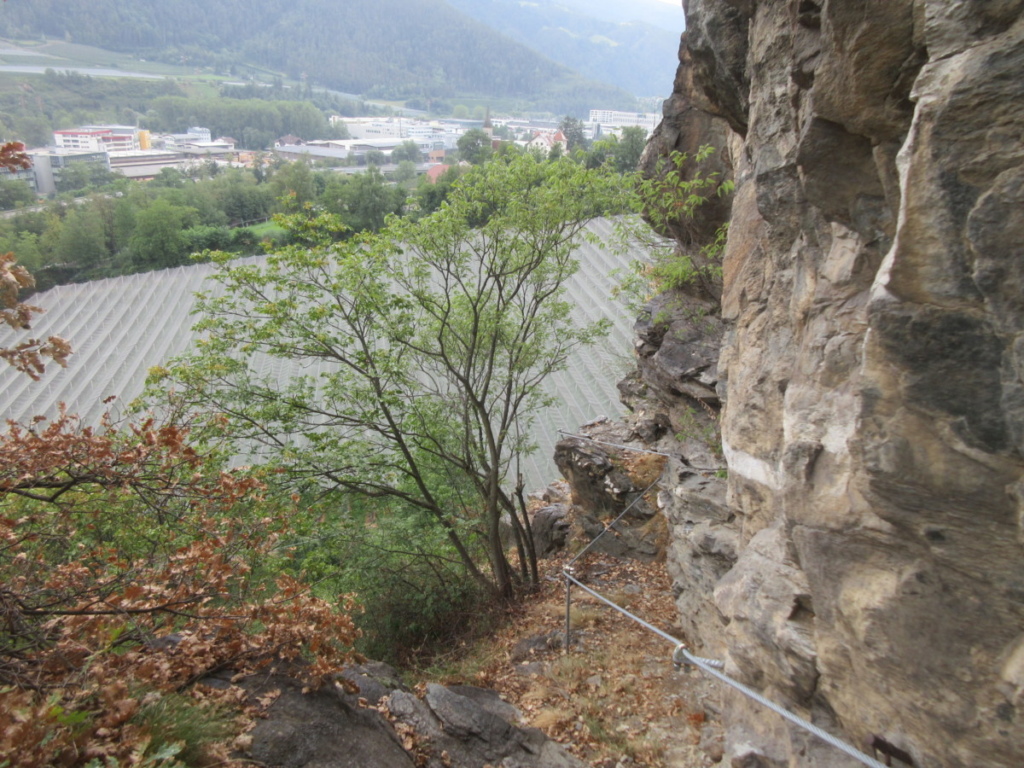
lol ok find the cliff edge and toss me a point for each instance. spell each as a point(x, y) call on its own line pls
point(864, 564)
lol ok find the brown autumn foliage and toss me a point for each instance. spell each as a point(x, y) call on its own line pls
point(131, 567)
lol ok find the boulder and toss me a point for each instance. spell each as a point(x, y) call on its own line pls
point(320, 729)
point(459, 725)
point(471, 727)
point(550, 529)
point(602, 490)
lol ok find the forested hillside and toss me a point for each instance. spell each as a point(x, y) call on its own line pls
point(632, 55)
point(31, 108)
point(378, 48)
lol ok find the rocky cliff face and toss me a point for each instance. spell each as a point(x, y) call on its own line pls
point(864, 566)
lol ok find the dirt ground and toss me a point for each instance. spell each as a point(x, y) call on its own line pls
point(615, 699)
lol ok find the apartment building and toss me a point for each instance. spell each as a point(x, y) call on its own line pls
point(98, 138)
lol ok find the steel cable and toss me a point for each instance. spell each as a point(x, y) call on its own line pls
point(680, 655)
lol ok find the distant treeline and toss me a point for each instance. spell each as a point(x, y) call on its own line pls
point(394, 49)
point(32, 108)
point(253, 123)
point(116, 226)
point(122, 227)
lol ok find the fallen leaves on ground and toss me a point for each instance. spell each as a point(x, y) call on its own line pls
point(616, 697)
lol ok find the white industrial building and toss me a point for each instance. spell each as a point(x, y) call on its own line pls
point(609, 118)
point(98, 138)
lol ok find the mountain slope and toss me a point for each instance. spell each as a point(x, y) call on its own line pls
point(382, 48)
point(666, 16)
point(635, 55)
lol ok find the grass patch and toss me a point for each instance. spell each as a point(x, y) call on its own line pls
point(267, 229)
point(584, 616)
point(176, 720)
point(643, 468)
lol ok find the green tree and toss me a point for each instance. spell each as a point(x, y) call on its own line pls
point(407, 150)
point(13, 192)
point(169, 177)
point(27, 248)
point(602, 151)
point(429, 196)
point(406, 171)
point(82, 175)
point(431, 344)
point(629, 148)
point(294, 181)
point(83, 241)
point(572, 128)
point(50, 237)
point(157, 241)
point(475, 146)
point(365, 200)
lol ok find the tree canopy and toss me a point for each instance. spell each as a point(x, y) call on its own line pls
point(475, 146)
point(427, 347)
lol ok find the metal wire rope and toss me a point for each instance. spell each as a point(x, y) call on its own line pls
point(680, 655)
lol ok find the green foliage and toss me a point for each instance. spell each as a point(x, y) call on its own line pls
point(430, 196)
point(572, 128)
point(629, 148)
point(671, 194)
point(376, 158)
point(363, 201)
point(404, 571)
point(701, 424)
point(667, 195)
point(166, 757)
point(83, 239)
point(158, 240)
point(427, 349)
point(294, 181)
point(475, 146)
point(34, 106)
point(84, 175)
point(253, 123)
point(407, 150)
point(105, 235)
point(406, 172)
point(14, 192)
point(180, 728)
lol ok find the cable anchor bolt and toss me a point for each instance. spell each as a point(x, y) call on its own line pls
point(680, 659)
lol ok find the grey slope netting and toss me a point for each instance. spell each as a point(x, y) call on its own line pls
point(121, 327)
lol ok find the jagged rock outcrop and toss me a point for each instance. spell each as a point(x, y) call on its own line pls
point(456, 725)
point(604, 486)
point(867, 558)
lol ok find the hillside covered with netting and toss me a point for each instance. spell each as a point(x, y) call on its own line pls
point(121, 327)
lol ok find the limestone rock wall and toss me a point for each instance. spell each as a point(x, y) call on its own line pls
point(871, 373)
